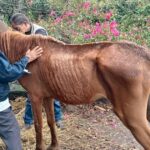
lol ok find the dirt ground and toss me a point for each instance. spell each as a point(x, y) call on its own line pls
point(87, 127)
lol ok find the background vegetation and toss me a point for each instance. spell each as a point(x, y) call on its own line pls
point(82, 21)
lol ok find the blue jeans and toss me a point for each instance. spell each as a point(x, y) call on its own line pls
point(9, 130)
point(28, 116)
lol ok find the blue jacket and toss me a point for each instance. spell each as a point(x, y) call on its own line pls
point(10, 72)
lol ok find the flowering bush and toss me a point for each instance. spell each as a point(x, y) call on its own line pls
point(133, 21)
point(81, 21)
point(88, 23)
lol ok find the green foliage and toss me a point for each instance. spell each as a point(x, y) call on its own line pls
point(130, 13)
point(40, 9)
point(81, 24)
point(133, 18)
point(9, 7)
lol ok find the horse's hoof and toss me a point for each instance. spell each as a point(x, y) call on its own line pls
point(41, 147)
point(53, 148)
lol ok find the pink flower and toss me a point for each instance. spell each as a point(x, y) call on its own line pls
point(97, 29)
point(52, 13)
point(80, 24)
point(113, 28)
point(86, 5)
point(85, 25)
point(109, 37)
point(58, 20)
point(94, 33)
point(114, 31)
point(108, 15)
point(106, 25)
point(73, 32)
point(113, 24)
point(95, 11)
point(87, 36)
point(68, 14)
point(69, 22)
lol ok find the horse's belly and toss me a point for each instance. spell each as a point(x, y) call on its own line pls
point(84, 98)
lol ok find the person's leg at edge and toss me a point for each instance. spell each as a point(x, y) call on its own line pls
point(9, 130)
point(28, 116)
point(58, 114)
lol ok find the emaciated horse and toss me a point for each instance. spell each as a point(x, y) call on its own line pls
point(79, 74)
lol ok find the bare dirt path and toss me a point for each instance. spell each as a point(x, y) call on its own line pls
point(88, 127)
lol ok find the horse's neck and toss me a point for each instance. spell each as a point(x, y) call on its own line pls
point(12, 48)
point(2, 41)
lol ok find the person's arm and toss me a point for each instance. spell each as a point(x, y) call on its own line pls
point(41, 31)
point(10, 72)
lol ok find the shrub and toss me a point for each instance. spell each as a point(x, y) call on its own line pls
point(81, 21)
point(40, 9)
point(87, 23)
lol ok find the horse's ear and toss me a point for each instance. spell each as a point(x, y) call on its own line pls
point(3, 27)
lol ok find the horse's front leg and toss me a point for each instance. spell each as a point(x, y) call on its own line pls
point(49, 109)
point(37, 112)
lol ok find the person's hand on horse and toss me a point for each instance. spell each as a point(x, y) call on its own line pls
point(34, 53)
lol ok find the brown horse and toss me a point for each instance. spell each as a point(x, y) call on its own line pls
point(79, 74)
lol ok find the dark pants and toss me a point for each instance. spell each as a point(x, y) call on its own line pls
point(9, 130)
point(28, 117)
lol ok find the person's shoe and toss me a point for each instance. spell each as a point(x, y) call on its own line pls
point(27, 127)
point(60, 124)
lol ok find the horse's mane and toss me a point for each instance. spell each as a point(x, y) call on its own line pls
point(15, 44)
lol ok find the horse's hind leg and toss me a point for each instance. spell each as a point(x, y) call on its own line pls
point(132, 112)
point(49, 109)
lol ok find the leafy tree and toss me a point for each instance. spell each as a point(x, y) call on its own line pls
point(40, 9)
point(9, 7)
